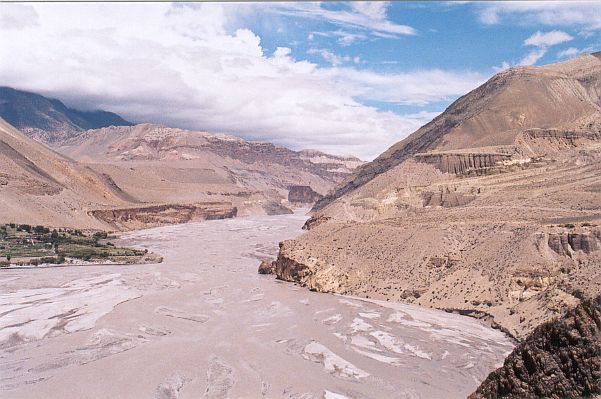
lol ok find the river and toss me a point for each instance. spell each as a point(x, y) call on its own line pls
point(204, 324)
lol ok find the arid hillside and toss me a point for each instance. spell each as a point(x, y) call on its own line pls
point(156, 163)
point(492, 209)
point(41, 187)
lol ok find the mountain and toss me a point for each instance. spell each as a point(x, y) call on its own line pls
point(560, 359)
point(493, 209)
point(49, 120)
point(562, 97)
point(156, 163)
point(148, 175)
point(41, 187)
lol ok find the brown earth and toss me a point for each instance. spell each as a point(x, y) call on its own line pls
point(492, 209)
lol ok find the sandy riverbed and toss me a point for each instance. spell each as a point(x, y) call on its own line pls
point(205, 324)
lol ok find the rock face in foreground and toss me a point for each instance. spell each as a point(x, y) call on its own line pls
point(302, 195)
point(560, 359)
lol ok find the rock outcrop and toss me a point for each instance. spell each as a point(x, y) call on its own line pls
point(302, 195)
point(560, 359)
point(267, 267)
point(463, 163)
point(566, 244)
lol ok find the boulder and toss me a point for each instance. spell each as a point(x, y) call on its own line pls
point(267, 267)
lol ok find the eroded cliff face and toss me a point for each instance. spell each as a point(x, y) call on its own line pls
point(158, 215)
point(463, 163)
point(510, 273)
point(560, 359)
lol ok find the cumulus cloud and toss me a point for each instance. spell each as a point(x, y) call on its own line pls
point(185, 66)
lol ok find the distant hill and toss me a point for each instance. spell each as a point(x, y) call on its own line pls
point(49, 120)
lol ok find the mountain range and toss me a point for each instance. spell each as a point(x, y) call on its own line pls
point(124, 176)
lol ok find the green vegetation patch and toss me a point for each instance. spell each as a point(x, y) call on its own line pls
point(23, 244)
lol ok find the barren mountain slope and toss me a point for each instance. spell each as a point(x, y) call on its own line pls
point(156, 163)
point(492, 209)
point(561, 96)
point(49, 120)
point(39, 186)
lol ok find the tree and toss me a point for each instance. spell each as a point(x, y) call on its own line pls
point(8, 257)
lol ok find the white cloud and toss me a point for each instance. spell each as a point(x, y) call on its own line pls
point(533, 56)
point(330, 57)
point(581, 14)
point(369, 17)
point(542, 41)
point(547, 39)
point(343, 38)
point(573, 52)
point(179, 65)
point(17, 16)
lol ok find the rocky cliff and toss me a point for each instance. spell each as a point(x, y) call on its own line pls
point(302, 195)
point(560, 359)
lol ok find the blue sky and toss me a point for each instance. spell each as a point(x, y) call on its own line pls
point(341, 77)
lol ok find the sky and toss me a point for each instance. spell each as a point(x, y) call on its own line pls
point(345, 78)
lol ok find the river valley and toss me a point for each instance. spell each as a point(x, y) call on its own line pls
point(204, 324)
